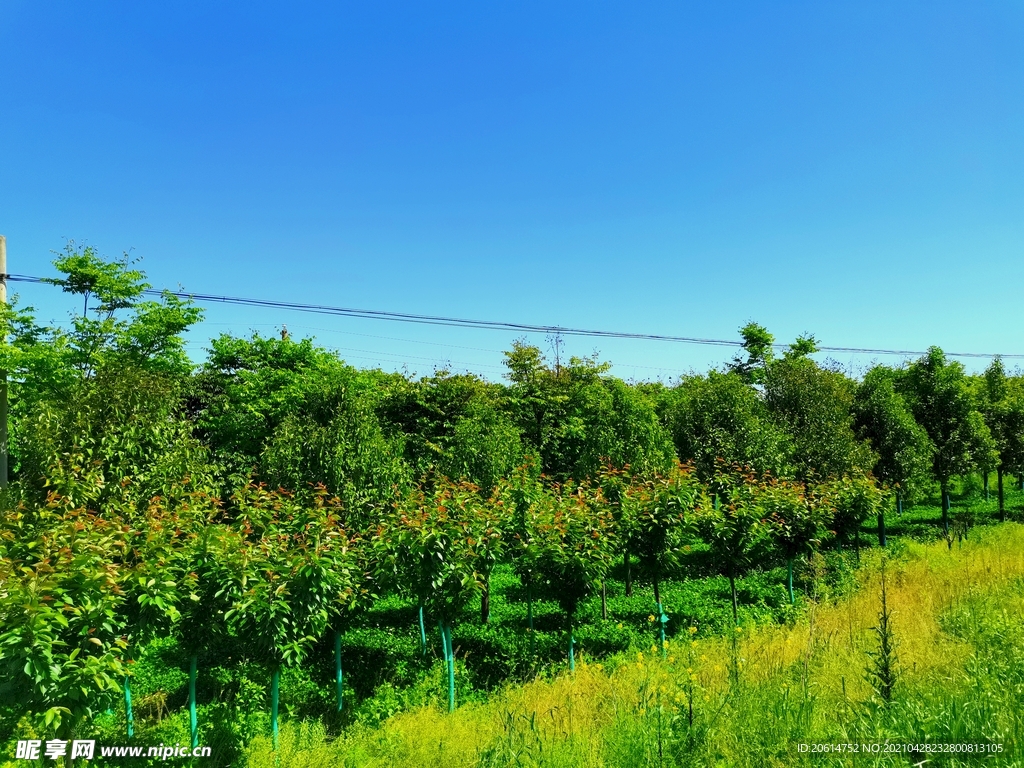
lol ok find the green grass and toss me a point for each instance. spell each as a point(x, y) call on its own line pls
point(957, 623)
point(386, 674)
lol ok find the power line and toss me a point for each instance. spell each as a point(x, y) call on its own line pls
point(406, 317)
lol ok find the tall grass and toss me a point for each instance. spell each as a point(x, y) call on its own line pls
point(956, 617)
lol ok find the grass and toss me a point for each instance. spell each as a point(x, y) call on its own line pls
point(387, 679)
point(956, 615)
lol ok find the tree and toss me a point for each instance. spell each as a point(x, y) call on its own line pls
point(719, 417)
point(813, 405)
point(758, 344)
point(443, 542)
point(796, 519)
point(658, 510)
point(883, 418)
point(62, 628)
point(734, 530)
point(940, 398)
point(575, 417)
point(853, 499)
point(575, 540)
point(1003, 409)
point(284, 566)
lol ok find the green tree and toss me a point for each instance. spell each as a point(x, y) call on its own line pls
point(734, 530)
point(940, 398)
point(659, 511)
point(575, 538)
point(442, 544)
point(813, 405)
point(283, 567)
point(796, 519)
point(719, 417)
point(575, 417)
point(1003, 409)
point(853, 499)
point(62, 621)
point(883, 418)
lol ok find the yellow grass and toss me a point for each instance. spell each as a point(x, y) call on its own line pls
point(578, 719)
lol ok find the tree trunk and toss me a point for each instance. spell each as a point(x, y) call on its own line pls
point(735, 611)
point(485, 600)
point(192, 721)
point(984, 483)
point(423, 631)
point(661, 617)
point(338, 680)
point(604, 601)
point(881, 527)
point(789, 581)
point(1002, 497)
point(572, 648)
point(899, 503)
point(629, 576)
point(275, 695)
point(945, 509)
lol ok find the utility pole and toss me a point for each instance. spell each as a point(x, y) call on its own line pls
point(3, 373)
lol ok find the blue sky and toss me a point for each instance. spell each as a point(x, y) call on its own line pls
point(855, 170)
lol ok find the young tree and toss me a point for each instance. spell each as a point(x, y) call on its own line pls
point(576, 541)
point(940, 398)
point(62, 624)
point(734, 529)
point(659, 510)
point(883, 418)
point(442, 544)
point(1003, 409)
point(796, 520)
point(853, 499)
point(282, 568)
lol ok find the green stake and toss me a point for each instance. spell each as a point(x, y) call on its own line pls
point(572, 649)
point(337, 668)
point(451, 668)
point(662, 621)
point(275, 688)
point(193, 722)
point(529, 619)
point(423, 632)
point(129, 716)
point(789, 582)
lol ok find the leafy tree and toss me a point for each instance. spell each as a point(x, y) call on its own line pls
point(734, 530)
point(283, 569)
point(1003, 409)
point(523, 495)
point(758, 344)
point(455, 424)
point(813, 405)
point(62, 624)
point(576, 541)
point(940, 398)
point(719, 417)
point(443, 543)
point(796, 519)
point(853, 498)
point(575, 417)
point(883, 418)
point(659, 510)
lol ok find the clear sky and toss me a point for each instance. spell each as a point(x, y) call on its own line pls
point(851, 169)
